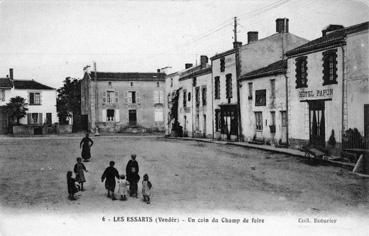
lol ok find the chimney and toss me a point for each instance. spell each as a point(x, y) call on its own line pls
point(237, 45)
point(188, 65)
point(158, 70)
point(282, 25)
point(203, 60)
point(11, 73)
point(331, 28)
point(252, 36)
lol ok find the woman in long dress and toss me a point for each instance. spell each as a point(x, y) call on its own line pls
point(86, 144)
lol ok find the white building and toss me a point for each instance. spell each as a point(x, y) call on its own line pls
point(41, 100)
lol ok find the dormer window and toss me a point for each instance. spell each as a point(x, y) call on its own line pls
point(330, 67)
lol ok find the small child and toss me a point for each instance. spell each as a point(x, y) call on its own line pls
point(146, 186)
point(122, 190)
point(72, 187)
point(79, 167)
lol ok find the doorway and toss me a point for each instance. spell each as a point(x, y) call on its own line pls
point(284, 127)
point(204, 126)
point(132, 116)
point(317, 123)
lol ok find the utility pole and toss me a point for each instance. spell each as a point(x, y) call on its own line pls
point(238, 66)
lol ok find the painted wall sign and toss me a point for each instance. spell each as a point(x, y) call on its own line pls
point(316, 94)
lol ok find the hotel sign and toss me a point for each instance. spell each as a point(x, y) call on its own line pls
point(315, 94)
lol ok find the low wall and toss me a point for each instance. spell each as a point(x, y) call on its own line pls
point(64, 129)
point(23, 130)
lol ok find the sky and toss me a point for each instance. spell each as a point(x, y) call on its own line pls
point(50, 40)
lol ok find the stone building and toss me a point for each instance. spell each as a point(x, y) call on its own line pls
point(328, 88)
point(172, 90)
point(41, 100)
point(263, 84)
point(195, 100)
point(123, 102)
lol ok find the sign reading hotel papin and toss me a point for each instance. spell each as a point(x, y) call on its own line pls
point(315, 94)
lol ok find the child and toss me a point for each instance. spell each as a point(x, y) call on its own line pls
point(122, 191)
point(146, 186)
point(132, 175)
point(72, 188)
point(110, 174)
point(79, 167)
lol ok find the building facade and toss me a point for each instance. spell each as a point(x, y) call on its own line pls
point(172, 95)
point(263, 84)
point(123, 102)
point(40, 99)
point(195, 100)
point(328, 87)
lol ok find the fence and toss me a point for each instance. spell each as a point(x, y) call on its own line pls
point(352, 138)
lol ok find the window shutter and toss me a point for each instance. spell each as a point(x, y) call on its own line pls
point(29, 118)
point(156, 97)
point(40, 121)
point(31, 98)
point(103, 113)
point(104, 97)
point(116, 114)
point(116, 96)
point(138, 98)
point(125, 97)
point(40, 94)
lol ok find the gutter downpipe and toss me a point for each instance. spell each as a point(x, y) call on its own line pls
point(286, 78)
point(212, 101)
point(238, 93)
point(343, 95)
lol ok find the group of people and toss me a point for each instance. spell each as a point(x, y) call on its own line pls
point(110, 175)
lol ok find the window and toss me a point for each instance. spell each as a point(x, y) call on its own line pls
point(301, 72)
point(132, 96)
point(110, 115)
point(260, 97)
point(109, 83)
point(34, 118)
point(194, 81)
point(110, 97)
point(229, 85)
point(197, 96)
point(222, 64)
point(284, 118)
point(259, 120)
point(272, 88)
point(217, 120)
point(203, 96)
point(171, 82)
point(217, 87)
point(131, 84)
point(157, 84)
point(48, 119)
point(2, 94)
point(272, 116)
point(158, 115)
point(197, 122)
point(189, 96)
point(34, 99)
point(330, 67)
point(184, 98)
point(250, 90)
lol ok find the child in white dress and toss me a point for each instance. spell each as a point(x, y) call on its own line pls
point(146, 187)
point(122, 190)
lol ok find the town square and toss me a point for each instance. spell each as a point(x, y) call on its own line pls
point(184, 117)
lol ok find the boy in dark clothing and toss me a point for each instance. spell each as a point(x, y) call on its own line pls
point(110, 174)
point(132, 175)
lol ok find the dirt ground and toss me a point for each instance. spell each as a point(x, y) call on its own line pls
point(187, 177)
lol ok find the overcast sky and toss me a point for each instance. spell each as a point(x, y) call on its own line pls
point(50, 40)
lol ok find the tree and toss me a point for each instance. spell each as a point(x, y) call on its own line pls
point(69, 101)
point(16, 109)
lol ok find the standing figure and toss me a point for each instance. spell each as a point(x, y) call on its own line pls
point(72, 188)
point(110, 174)
point(79, 169)
point(132, 175)
point(146, 186)
point(122, 188)
point(86, 144)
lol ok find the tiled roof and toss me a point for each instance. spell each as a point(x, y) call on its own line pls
point(231, 51)
point(198, 72)
point(30, 84)
point(275, 68)
point(335, 38)
point(5, 83)
point(129, 76)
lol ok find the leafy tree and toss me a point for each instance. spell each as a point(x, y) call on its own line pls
point(16, 109)
point(69, 101)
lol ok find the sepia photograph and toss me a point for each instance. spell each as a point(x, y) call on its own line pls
point(184, 117)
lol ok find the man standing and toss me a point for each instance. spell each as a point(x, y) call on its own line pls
point(132, 175)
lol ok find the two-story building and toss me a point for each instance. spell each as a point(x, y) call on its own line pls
point(263, 84)
point(195, 100)
point(119, 102)
point(171, 103)
point(328, 90)
point(40, 99)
